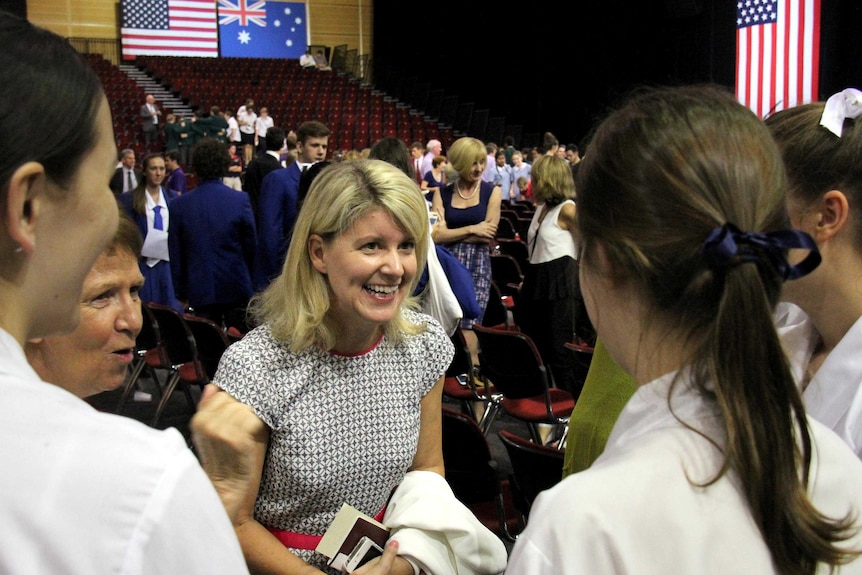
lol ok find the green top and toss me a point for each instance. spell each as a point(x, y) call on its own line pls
point(606, 390)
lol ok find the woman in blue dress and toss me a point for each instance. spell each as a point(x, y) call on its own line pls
point(148, 205)
point(434, 179)
point(469, 210)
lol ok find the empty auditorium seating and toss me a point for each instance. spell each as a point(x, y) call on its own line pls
point(356, 113)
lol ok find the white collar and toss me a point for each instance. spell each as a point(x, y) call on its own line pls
point(648, 410)
point(151, 204)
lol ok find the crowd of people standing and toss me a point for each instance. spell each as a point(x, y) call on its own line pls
point(686, 251)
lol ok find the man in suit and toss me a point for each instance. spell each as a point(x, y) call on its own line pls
point(150, 121)
point(278, 205)
point(416, 154)
point(212, 242)
point(126, 176)
point(262, 164)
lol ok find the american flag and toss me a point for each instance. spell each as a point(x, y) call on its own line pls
point(169, 28)
point(777, 53)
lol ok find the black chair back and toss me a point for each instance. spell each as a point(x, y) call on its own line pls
point(182, 352)
point(506, 229)
point(511, 361)
point(471, 471)
point(506, 273)
point(518, 249)
point(176, 336)
point(534, 468)
point(211, 340)
point(496, 313)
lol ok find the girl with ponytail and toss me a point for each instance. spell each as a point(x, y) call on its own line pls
point(713, 465)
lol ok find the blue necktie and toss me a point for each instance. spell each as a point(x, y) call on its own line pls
point(157, 218)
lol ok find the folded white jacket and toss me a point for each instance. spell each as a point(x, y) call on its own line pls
point(439, 533)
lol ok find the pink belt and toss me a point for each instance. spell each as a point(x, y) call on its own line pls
point(296, 540)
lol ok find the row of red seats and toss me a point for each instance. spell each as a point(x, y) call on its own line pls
point(357, 114)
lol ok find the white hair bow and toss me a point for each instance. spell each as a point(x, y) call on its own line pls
point(839, 107)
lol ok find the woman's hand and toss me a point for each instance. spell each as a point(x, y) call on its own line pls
point(486, 230)
point(387, 564)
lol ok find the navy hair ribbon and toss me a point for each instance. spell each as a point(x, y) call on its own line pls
point(727, 245)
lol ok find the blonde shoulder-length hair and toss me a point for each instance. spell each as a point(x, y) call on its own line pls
point(296, 303)
point(553, 182)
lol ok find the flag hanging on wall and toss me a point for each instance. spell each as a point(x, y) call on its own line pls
point(169, 28)
point(777, 53)
point(262, 29)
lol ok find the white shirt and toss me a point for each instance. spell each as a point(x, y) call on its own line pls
point(155, 248)
point(639, 509)
point(233, 130)
point(490, 172)
point(428, 162)
point(503, 178)
point(263, 124)
point(834, 394)
point(246, 121)
point(306, 60)
point(84, 492)
point(553, 242)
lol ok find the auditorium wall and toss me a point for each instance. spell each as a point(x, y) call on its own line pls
point(332, 22)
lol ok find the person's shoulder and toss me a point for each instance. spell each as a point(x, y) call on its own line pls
point(433, 331)
point(257, 339)
point(125, 199)
point(832, 452)
point(276, 177)
point(253, 361)
point(421, 318)
point(487, 188)
point(109, 433)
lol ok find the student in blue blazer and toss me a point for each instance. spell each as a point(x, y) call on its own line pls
point(148, 205)
point(279, 202)
point(213, 241)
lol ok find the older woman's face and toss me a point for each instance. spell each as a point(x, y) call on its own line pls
point(95, 357)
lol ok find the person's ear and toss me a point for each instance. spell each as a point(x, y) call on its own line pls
point(23, 201)
point(316, 253)
point(832, 215)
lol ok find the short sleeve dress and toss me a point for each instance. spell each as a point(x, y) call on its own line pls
point(344, 429)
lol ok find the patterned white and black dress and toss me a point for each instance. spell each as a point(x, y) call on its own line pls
point(344, 429)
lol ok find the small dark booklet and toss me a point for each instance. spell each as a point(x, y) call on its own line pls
point(352, 539)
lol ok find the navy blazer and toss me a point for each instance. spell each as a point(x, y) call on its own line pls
point(212, 241)
point(125, 200)
point(255, 172)
point(277, 214)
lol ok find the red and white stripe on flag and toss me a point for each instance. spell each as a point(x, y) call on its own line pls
point(169, 28)
point(777, 53)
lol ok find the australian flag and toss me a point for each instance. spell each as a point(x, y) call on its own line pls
point(261, 29)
